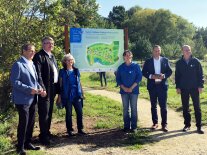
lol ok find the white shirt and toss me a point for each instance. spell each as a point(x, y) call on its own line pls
point(54, 69)
point(30, 65)
point(157, 67)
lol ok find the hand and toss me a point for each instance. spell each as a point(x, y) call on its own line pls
point(43, 93)
point(178, 90)
point(200, 90)
point(34, 91)
point(154, 77)
point(58, 101)
point(161, 76)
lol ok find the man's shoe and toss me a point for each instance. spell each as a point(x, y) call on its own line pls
point(70, 134)
point(186, 128)
point(134, 130)
point(200, 130)
point(21, 152)
point(31, 147)
point(154, 126)
point(164, 128)
point(45, 141)
point(81, 132)
point(126, 130)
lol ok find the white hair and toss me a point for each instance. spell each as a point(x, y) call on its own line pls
point(68, 57)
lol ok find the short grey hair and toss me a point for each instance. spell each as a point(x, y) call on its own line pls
point(67, 57)
point(186, 46)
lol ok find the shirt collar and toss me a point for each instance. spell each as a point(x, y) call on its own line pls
point(49, 54)
point(27, 61)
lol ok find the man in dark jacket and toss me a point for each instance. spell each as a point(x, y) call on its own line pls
point(47, 71)
point(157, 69)
point(189, 81)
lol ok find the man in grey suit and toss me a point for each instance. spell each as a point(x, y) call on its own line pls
point(25, 88)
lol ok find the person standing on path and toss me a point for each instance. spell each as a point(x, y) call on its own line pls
point(47, 71)
point(157, 69)
point(102, 76)
point(128, 77)
point(189, 81)
point(25, 87)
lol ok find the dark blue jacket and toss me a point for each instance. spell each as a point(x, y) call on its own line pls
point(148, 69)
point(189, 76)
point(65, 89)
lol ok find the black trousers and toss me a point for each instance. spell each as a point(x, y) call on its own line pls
point(185, 96)
point(103, 76)
point(26, 123)
point(158, 94)
point(45, 110)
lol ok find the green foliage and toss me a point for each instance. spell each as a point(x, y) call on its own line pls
point(117, 16)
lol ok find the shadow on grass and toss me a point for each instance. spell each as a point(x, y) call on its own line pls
point(101, 139)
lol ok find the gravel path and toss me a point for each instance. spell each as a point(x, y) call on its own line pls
point(174, 142)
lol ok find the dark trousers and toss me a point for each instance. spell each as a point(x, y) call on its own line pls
point(158, 93)
point(26, 124)
point(45, 110)
point(78, 106)
point(185, 95)
point(103, 76)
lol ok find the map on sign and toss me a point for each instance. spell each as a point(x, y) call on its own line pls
point(97, 50)
point(105, 54)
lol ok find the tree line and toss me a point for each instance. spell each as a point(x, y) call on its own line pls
point(22, 21)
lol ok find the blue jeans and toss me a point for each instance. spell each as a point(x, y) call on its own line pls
point(79, 114)
point(129, 100)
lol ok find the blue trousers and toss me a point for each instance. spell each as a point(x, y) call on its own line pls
point(129, 102)
point(158, 94)
point(77, 104)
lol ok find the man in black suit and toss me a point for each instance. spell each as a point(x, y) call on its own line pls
point(47, 71)
point(189, 81)
point(157, 69)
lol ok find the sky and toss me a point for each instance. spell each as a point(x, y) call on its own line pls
point(195, 11)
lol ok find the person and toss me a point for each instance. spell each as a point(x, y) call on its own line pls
point(47, 71)
point(71, 93)
point(25, 88)
point(102, 76)
point(157, 70)
point(128, 77)
point(189, 81)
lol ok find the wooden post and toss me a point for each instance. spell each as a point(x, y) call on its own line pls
point(126, 39)
point(66, 33)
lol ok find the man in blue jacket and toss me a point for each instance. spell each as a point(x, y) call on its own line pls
point(25, 88)
point(157, 69)
point(189, 81)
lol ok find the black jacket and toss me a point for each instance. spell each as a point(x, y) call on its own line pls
point(44, 67)
point(148, 69)
point(189, 76)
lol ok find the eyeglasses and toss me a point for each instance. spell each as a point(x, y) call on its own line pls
point(49, 43)
point(31, 51)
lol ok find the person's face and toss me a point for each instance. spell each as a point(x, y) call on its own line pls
point(29, 53)
point(186, 52)
point(48, 45)
point(156, 52)
point(69, 62)
point(128, 57)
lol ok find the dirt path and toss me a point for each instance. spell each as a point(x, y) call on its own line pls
point(174, 142)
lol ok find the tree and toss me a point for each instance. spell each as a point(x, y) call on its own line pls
point(117, 16)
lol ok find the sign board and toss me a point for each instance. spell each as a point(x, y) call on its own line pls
point(97, 50)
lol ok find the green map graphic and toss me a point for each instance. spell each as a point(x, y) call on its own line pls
point(105, 54)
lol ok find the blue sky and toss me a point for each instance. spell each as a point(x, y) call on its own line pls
point(195, 11)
